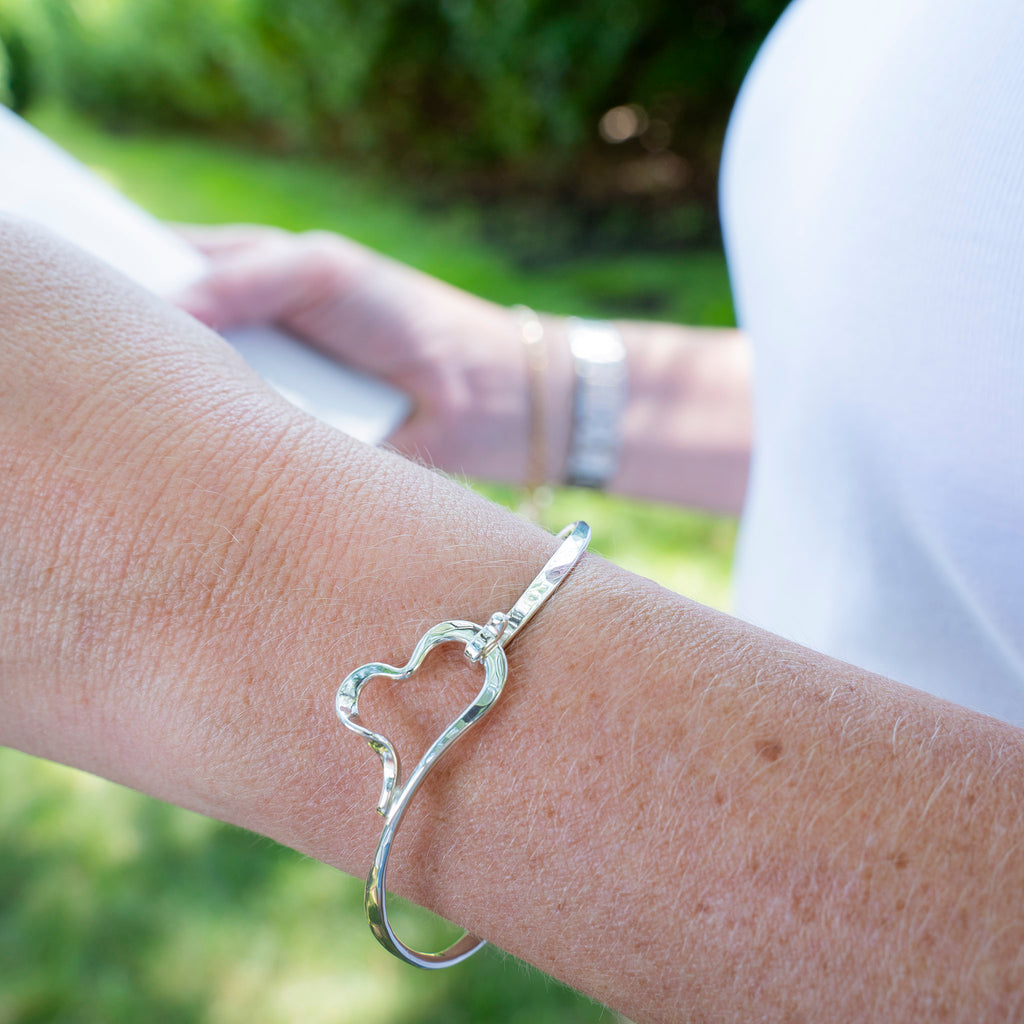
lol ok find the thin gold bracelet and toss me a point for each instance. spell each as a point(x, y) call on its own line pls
point(531, 331)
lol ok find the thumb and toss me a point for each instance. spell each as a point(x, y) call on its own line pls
point(266, 284)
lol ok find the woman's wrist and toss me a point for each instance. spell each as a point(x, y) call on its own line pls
point(686, 429)
point(336, 586)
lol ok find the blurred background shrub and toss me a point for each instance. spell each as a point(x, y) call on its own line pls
point(573, 105)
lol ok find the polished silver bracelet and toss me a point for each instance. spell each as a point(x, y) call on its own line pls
point(484, 646)
point(599, 361)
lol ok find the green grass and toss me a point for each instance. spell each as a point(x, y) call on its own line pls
point(185, 179)
point(116, 908)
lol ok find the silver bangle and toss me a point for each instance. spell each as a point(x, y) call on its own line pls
point(599, 359)
point(483, 645)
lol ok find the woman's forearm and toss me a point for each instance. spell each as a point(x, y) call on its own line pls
point(680, 815)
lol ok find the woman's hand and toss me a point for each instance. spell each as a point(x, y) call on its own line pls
point(685, 434)
point(458, 357)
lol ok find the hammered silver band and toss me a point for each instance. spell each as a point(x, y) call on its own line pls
point(484, 646)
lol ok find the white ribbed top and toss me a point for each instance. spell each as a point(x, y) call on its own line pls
point(873, 202)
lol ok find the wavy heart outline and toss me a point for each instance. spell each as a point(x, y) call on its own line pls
point(396, 795)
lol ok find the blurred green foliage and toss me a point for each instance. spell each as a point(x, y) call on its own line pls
point(117, 909)
point(496, 95)
point(184, 178)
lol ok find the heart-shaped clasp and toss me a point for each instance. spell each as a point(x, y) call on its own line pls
point(482, 645)
point(396, 794)
point(346, 704)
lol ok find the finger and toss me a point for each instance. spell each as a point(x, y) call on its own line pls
point(263, 284)
point(217, 240)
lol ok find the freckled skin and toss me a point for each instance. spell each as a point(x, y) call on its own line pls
point(742, 830)
point(769, 750)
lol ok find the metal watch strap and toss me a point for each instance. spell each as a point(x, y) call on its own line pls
point(599, 359)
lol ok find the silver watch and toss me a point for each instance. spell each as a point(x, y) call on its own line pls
point(599, 360)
